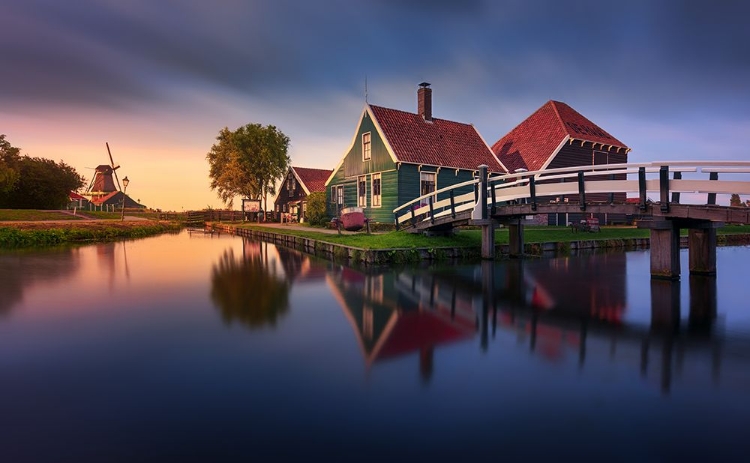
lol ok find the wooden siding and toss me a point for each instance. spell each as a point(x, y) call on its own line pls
point(409, 180)
point(573, 154)
point(388, 196)
point(353, 167)
point(285, 195)
point(380, 159)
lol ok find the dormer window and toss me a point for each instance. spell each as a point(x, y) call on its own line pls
point(366, 147)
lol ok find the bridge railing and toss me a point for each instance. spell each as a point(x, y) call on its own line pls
point(426, 206)
point(640, 178)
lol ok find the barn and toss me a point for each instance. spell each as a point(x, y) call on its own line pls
point(557, 136)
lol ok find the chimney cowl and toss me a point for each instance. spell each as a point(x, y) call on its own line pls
point(424, 101)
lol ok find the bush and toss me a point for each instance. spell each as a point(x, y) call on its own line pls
point(316, 208)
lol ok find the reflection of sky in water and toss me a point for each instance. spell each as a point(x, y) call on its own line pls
point(120, 349)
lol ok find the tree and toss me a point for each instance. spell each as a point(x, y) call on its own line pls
point(9, 157)
point(316, 208)
point(248, 162)
point(43, 184)
point(34, 183)
point(735, 201)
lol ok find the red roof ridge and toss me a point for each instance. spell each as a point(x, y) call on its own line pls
point(437, 142)
point(311, 178)
point(534, 142)
point(431, 121)
point(557, 112)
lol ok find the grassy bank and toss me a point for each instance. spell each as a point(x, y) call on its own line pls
point(467, 237)
point(43, 234)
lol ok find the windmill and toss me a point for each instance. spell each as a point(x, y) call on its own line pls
point(102, 184)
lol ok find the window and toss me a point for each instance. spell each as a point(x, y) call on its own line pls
point(375, 201)
point(362, 191)
point(333, 195)
point(289, 184)
point(366, 147)
point(426, 183)
point(340, 195)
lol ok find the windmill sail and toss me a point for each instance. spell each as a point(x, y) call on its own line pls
point(114, 167)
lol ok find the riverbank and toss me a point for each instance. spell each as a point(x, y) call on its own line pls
point(400, 247)
point(34, 234)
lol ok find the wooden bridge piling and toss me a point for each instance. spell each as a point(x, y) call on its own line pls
point(665, 247)
point(515, 238)
point(485, 221)
point(702, 250)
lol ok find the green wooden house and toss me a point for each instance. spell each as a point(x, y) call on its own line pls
point(396, 156)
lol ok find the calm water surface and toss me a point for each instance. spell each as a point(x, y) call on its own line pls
point(210, 348)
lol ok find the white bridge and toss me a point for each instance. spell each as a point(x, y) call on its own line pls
point(509, 197)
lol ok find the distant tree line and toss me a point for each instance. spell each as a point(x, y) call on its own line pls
point(34, 183)
point(736, 201)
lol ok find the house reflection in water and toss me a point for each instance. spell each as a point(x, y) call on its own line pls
point(558, 306)
point(396, 314)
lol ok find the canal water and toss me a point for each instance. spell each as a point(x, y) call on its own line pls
point(193, 347)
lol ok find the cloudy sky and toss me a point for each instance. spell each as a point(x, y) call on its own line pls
point(158, 79)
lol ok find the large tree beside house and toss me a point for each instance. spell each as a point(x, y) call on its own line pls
point(396, 156)
point(248, 162)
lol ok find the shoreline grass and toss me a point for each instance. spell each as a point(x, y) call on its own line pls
point(467, 237)
point(76, 233)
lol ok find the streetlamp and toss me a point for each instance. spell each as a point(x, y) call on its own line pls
point(125, 182)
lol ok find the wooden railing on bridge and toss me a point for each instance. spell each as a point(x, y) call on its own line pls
point(526, 187)
point(510, 197)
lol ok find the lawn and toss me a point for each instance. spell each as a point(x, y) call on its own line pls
point(467, 237)
point(31, 215)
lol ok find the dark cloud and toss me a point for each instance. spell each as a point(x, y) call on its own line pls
point(657, 56)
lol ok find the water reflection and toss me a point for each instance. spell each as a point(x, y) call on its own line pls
point(251, 288)
point(22, 270)
point(19, 271)
point(394, 314)
point(558, 307)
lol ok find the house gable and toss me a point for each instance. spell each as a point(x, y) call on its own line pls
point(537, 141)
point(352, 163)
point(311, 180)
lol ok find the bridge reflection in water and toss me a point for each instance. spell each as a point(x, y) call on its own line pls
point(555, 306)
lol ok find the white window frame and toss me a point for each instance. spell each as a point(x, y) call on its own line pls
point(340, 195)
point(422, 178)
point(376, 200)
point(366, 146)
point(362, 195)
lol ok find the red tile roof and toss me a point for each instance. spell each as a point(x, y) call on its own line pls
point(312, 179)
point(103, 199)
point(531, 144)
point(438, 142)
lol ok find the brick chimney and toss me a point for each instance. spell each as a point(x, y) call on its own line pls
point(424, 101)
